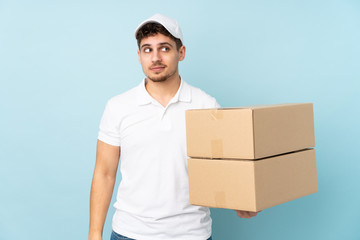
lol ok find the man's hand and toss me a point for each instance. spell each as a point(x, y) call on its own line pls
point(246, 214)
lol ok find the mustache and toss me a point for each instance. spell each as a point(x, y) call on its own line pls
point(157, 64)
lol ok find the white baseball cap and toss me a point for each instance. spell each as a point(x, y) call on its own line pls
point(168, 23)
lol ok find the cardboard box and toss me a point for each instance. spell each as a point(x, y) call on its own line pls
point(249, 132)
point(252, 185)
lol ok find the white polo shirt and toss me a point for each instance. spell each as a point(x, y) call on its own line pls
point(153, 196)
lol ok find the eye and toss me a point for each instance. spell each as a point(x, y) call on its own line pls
point(147, 50)
point(165, 49)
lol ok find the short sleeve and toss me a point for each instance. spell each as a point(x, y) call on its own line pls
point(216, 104)
point(109, 130)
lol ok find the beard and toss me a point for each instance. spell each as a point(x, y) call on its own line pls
point(158, 79)
point(161, 78)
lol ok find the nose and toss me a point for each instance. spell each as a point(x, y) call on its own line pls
point(156, 56)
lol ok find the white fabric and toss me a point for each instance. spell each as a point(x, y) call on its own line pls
point(153, 196)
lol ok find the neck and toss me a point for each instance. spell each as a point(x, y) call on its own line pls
point(163, 91)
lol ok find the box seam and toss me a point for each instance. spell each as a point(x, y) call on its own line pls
point(253, 132)
point(255, 188)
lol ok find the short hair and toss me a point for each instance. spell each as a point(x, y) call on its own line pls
point(151, 29)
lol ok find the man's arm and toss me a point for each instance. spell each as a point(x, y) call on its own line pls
point(107, 160)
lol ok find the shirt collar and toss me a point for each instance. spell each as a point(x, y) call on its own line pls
point(183, 94)
point(142, 96)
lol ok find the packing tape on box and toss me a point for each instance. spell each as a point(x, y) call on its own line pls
point(220, 199)
point(216, 148)
point(216, 114)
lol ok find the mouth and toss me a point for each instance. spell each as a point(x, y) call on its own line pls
point(157, 68)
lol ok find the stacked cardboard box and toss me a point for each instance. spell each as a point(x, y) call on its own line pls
point(251, 158)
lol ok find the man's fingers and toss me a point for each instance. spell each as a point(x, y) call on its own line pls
point(246, 214)
point(253, 214)
point(243, 214)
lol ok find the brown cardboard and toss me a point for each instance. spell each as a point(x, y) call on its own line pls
point(252, 185)
point(249, 132)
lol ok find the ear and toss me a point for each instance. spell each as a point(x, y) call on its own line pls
point(182, 51)
point(139, 56)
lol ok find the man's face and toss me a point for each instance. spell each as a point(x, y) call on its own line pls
point(159, 57)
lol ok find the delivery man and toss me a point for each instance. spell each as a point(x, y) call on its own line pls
point(147, 125)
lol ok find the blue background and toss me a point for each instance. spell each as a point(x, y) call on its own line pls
point(60, 61)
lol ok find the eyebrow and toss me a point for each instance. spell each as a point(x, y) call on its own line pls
point(160, 44)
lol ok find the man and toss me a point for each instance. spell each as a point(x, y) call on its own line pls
point(148, 124)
